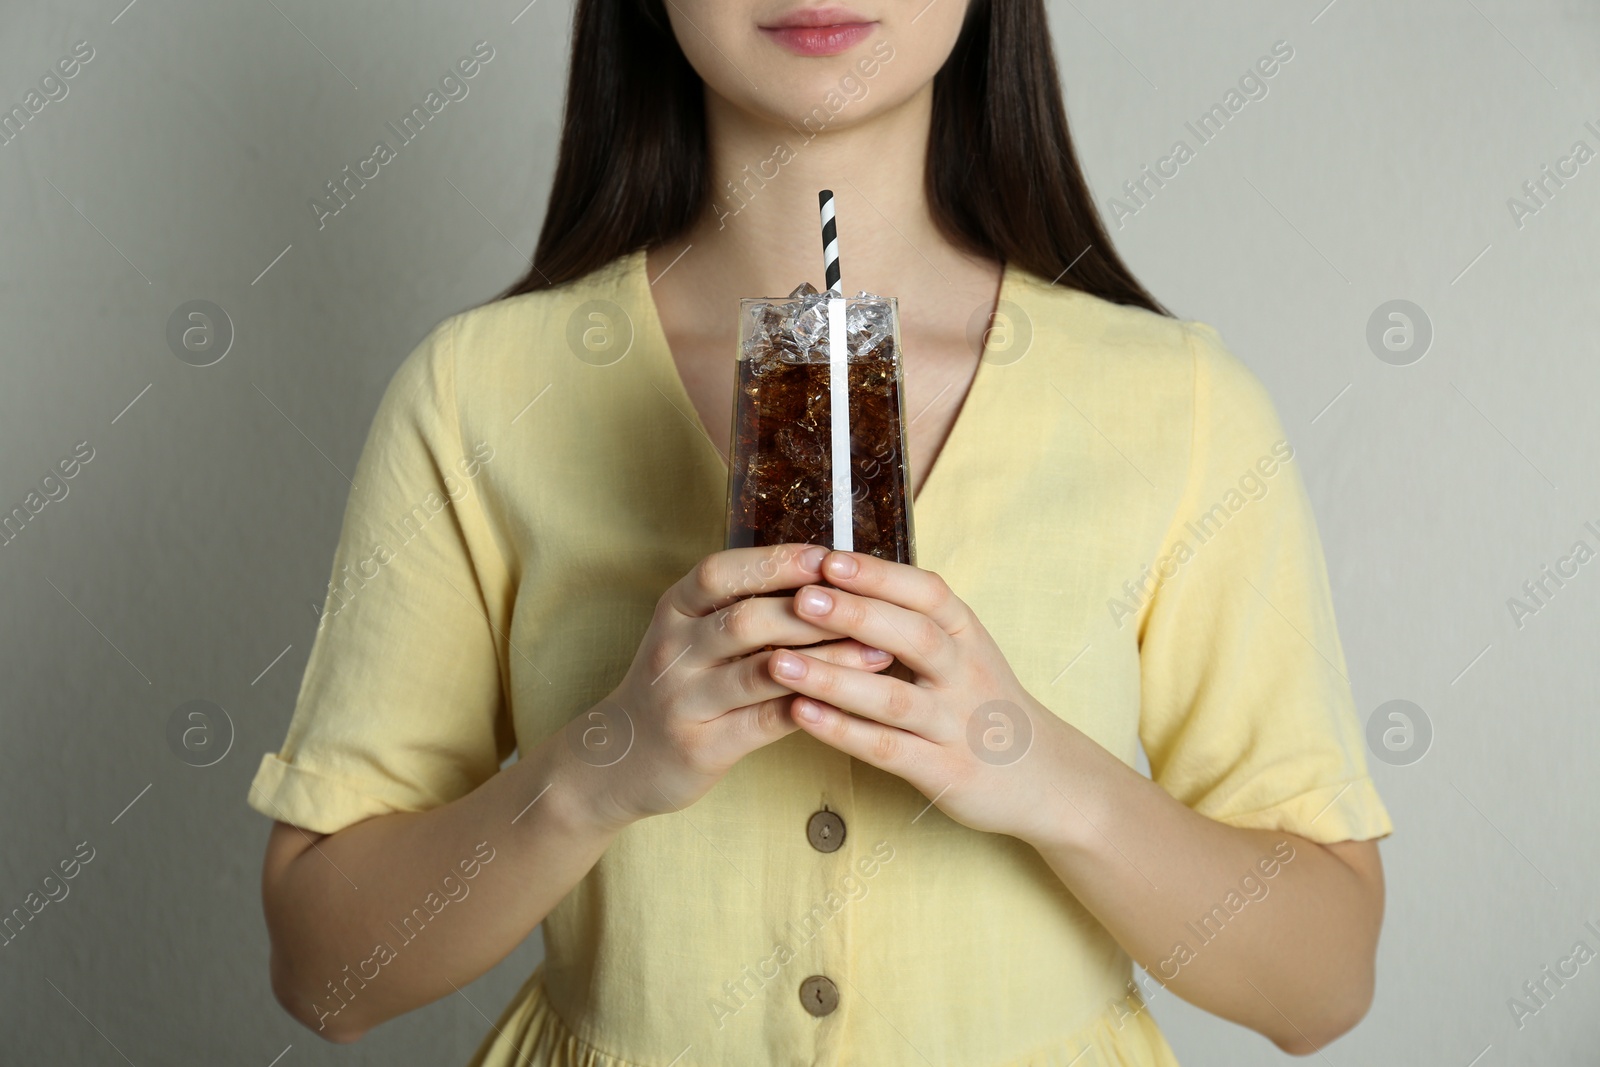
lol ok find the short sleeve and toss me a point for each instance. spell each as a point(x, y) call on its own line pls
point(401, 706)
point(1246, 710)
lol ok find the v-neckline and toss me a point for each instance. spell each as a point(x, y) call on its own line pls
point(660, 351)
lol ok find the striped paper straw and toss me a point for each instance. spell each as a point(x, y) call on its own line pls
point(830, 242)
point(838, 382)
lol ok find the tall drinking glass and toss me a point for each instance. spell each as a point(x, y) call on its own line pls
point(786, 439)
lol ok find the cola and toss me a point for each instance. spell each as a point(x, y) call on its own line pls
point(781, 477)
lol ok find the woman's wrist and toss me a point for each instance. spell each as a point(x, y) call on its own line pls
point(1084, 782)
point(567, 793)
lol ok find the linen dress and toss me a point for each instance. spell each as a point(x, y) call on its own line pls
point(1117, 502)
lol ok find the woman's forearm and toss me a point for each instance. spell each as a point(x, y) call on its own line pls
point(1265, 928)
point(399, 910)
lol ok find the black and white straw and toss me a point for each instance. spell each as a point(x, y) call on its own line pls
point(838, 384)
point(830, 241)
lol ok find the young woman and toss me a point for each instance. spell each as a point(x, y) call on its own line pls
point(747, 855)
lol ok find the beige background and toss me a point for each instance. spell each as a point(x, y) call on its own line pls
point(188, 551)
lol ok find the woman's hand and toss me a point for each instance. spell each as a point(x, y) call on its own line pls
point(963, 731)
point(698, 696)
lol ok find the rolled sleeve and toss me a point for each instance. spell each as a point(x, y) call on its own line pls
point(1247, 714)
point(401, 707)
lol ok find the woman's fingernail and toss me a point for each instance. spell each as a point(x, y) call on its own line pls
point(843, 565)
point(876, 655)
point(807, 710)
point(787, 665)
point(811, 558)
point(815, 602)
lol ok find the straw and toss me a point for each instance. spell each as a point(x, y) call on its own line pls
point(830, 242)
point(838, 382)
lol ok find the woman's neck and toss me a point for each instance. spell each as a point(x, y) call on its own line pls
point(760, 235)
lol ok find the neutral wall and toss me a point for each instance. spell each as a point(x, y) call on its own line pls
point(190, 548)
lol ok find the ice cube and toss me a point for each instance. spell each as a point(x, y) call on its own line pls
point(818, 416)
point(809, 328)
point(802, 497)
point(765, 323)
point(868, 324)
point(760, 473)
point(865, 520)
point(801, 448)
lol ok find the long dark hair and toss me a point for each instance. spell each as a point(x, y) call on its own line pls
point(1002, 179)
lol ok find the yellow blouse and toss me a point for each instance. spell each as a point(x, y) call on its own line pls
point(1117, 502)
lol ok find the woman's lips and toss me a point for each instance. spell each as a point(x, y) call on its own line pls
point(820, 40)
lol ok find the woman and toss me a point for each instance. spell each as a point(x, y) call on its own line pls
point(747, 856)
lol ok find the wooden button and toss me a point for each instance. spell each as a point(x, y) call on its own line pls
point(819, 995)
point(825, 831)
